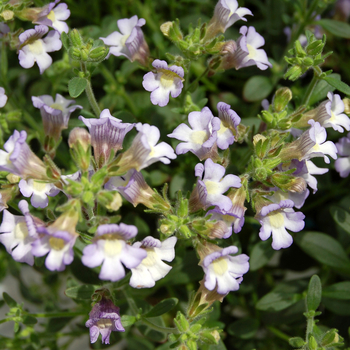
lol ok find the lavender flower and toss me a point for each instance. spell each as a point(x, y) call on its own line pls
point(152, 268)
point(167, 80)
point(213, 186)
point(20, 160)
point(342, 164)
point(4, 29)
point(144, 150)
point(110, 249)
point(34, 49)
point(38, 191)
point(54, 16)
point(335, 108)
point(275, 219)
point(55, 114)
point(247, 52)
point(18, 233)
point(130, 42)
point(104, 318)
point(3, 97)
point(223, 270)
point(201, 139)
point(107, 134)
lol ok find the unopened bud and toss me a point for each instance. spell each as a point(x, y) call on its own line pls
point(299, 49)
point(346, 105)
point(7, 15)
point(312, 343)
point(98, 54)
point(74, 53)
point(308, 61)
point(296, 342)
point(282, 98)
point(293, 73)
point(165, 27)
point(76, 38)
point(331, 338)
point(315, 48)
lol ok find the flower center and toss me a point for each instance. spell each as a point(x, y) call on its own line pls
point(21, 231)
point(57, 106)
point(103, 323)
point(151, 258)
point(39, 186)
point(220, 266)
point(37, 47)
point(212, 187)
point(222, 129)
point(56, 243)
point(51, 16)
point(124, 39)
point(252, 51)
point(167, 78)
point(277, 220)
point(199, 137)
point(333, 117)
point(114, 247)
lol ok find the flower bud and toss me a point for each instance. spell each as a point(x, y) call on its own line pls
point(308, 62)
point(76, 38)
point(312, 343)
point(74, 53)
point(98, 54)
point(165, 28)
point(7, 15)
point(296, 342)
point(331, 338)
point(281, 99)
point(80, 143)
point(346, 106)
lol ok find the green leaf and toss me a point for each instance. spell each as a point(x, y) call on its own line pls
point(29, 320)
point(321, 90)
point(314, 293)
point(325, 249)
point(337, 28)
point(127, 320)
point(339, 307)
point(260, 255)
point(339, 85)
point(276, 301)
point(339, 290)
point(161, 308)
point(83, 292)
point(65, 40)
point(76, 86)
point(341, 217)
point(8, 300)
point(244, 329)
point(257, 88)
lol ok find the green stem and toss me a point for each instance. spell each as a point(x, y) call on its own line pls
point(278, 333)
point(89, 92)
point(311, 87)
point(309, 328)
point(160, 328)
point(197, 79)
point(6, 320)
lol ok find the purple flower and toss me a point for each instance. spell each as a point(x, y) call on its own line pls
point(144, 150)
point(275, 219)
point(55, 114)
point(4, 29)
point(104, 318)
point(152, 268)
point(248, 52)
point(335, 108)
point(107, 134)
point(20, 160)
point(229, 122)
point(3, 97)
point(167, 80)
point(223, 270)
point(201, 139)
point(34, 49)
point(54, 16)
point(130, 42)
point(342, 164)
point(18, 233)
point(110, 249)
point(214, 184)
point(38, 191)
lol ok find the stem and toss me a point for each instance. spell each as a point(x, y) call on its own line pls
point(90, 93)
point(278, 333)
point(6, 320)
point(309, 328)
point(197, 79)
point(311, 87)
point(58, 314)
point(160, 328)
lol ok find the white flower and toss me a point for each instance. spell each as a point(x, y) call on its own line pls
point(152, 268)
point(3, 97)
point(335, 108)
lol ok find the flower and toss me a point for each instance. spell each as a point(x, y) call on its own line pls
point(214, 184)
point(4, 29)
point(54, 16)
point(18, 233)
point(104, 318)
point(3, 97)
point(130, 42)
point(223, 271)
point(144, 150)
point(107, 134)
point(152, 268)
point(167, 80)
point(34, 49)
point(20, 160)
point(335, 108)
point(226, 13)
point(247, 52)
point(201, 139)
point(342, 164)
point(110, 249)
point(55, 114)
point(38, 191)
point(275, 219)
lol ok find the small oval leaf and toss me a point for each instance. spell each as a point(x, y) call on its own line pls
point(337, 28)
point(338, 84)
point(314, 293)
point(161, 308)
point(341, 217)
point(76, 86)
point(339, 290)
point(257, 88)
point(83, 292)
